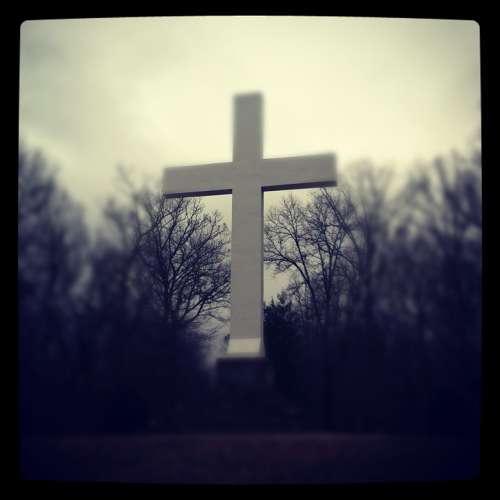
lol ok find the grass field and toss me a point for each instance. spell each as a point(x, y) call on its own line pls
point(249, 458)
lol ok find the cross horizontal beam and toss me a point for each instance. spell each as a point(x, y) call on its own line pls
point(298, 172)
point(201, 180)
point(271, 174)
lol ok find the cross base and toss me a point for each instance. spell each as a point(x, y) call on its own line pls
point(244, 373)
point(247, 399)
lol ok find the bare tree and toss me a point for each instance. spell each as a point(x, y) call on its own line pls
point(310, 240)
point(160, 272)
point(397, 277)
point(337, 246)
point(185, 254)
point(441, 229)
point(52, 247)
point(172, 253)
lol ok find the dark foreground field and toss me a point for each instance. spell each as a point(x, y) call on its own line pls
point(249, 458)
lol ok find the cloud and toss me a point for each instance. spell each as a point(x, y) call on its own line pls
point(152, 92)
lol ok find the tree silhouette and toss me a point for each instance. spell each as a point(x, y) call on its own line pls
point(112, 334)
point(52, 246)
point(311, 240)
point(393, 279)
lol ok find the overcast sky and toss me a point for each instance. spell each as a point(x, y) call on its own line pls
point(156, 92)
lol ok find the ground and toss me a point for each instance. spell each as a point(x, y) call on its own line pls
point(249, 458)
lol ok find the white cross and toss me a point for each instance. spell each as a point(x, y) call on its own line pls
point(247, 177)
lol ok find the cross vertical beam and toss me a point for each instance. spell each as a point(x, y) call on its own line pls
point(247, 127)
point(246, 267)
point(246, 239)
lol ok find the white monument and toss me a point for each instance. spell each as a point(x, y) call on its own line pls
point(247, 177)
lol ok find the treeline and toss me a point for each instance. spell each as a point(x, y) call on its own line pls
point(379, 329)
point(112, 328)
